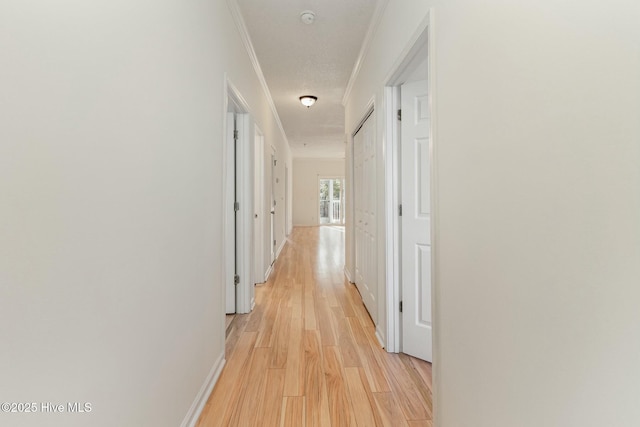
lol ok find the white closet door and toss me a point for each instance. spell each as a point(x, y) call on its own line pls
point(364, 160)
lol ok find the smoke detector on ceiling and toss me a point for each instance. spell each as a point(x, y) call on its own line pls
point(307, 17)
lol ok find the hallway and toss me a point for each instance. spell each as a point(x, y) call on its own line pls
point(308, 355)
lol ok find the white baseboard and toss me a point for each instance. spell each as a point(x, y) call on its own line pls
point(348, 274)
point(270, 269)
point(268, 273)
point(380, 337)
point(191, 419)
point(284, 241)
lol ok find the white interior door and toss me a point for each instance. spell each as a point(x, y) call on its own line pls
point(273, 205)
point(358, 145)
point(230, 216)
point(364, 160)
point(286, 200)
point(258, 206)
point(416, 221)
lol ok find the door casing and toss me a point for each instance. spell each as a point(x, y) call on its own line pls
point(244, 189)
point(273, 206)
point(421, 43)
point(260, 212)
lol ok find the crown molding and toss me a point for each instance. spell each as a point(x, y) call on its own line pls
point(246, 41)
point(364, 49)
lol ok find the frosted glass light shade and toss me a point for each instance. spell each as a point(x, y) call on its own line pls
point(308, 100)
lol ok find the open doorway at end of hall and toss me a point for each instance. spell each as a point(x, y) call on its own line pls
point(331, 200)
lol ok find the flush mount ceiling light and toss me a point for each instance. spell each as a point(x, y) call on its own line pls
point(308, 100)
point(308, 17)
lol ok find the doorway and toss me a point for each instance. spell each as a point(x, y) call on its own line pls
point(231, 225)
point(238, 203)
point(259, 208)
point(409, 141)
point(286, 201)
point(415, 222)
point(331, 201)
point(273, 205)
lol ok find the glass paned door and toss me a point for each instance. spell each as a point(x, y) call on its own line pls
point(331, 201)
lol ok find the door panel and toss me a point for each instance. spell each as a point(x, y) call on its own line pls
point(365, 216)
point(230, 217)
point(422, 178)
point(258, 203)
point(273, 206)
point(423, 302)
point(416, 221)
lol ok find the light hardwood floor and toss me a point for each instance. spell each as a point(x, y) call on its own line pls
point(308, 356)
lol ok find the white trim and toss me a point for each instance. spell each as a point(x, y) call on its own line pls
point(284, 241)
point(273, 253)
point(347, 274)
point(244, 183)
point(259, 239)
point(232, 91)
point(380, 337)
point(268, 273)
point(392, 175)
point(392, 226)
point(270, 269)
point(287, 196)
point(364, 49)
point(435, 216)
point(369, 109)
point(191, 419)
point(410, 50)
point(246, 41)
point(225, 212)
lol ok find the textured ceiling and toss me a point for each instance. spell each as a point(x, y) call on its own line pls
point(317, 59)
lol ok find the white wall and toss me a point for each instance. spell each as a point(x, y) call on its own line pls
point(537, 236)
point(306, 196)
point(111, 130)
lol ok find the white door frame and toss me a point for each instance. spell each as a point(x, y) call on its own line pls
point(273, 251)
point(403, 66)
point(286, 200)
point(260, 213)
point(229, 218)
point(244, 183)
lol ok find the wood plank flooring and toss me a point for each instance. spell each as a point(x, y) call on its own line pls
point(307, 355)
